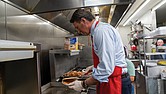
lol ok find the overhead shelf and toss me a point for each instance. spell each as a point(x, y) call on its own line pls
point(64, 52)
point(16, 45)
point(15, 50)
point(74, 52)
point(157, 53)
point(157, 33)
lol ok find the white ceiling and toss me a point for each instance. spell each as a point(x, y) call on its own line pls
point(135, 6)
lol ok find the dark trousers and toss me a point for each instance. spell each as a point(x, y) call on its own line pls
point(126, 85)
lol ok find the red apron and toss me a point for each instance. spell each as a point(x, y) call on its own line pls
point(113, 86)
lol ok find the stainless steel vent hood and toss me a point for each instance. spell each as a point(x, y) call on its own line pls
point(59, 11)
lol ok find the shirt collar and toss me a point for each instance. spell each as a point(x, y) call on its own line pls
point(93, 27)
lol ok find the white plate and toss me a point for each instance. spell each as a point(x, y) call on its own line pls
point(69, 80)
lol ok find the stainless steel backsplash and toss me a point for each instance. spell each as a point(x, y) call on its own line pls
point(18, 25)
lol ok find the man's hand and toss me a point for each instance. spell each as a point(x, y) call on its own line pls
point(88, 70)
point(76, 85)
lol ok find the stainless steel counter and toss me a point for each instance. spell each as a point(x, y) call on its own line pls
point(136, 62)
point(59, 88)
point(149, 84)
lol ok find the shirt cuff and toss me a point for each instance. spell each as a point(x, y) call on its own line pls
point(99, 77)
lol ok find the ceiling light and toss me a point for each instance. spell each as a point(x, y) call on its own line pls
point(26, 16)
point(42, 23)
point(159, 5)
point(135, 13)
point(5, 0)
point(96, 9)
point(138, 21)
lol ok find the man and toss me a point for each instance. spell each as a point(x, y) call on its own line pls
point(131, 71)
point(160, 42)
point(108, 54)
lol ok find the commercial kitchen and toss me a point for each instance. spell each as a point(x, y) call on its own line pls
point(39, 45)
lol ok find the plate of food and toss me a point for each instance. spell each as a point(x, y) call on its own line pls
point(73, 74)
point(67, 81)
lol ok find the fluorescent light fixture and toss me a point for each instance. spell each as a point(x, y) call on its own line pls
point(138, 10)
point(138, 21)
point(96, 9)
point(159, 5)
point(5, 0)
point(26, 16)
point(43, 23)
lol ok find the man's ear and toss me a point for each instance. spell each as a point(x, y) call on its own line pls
point(83, 20)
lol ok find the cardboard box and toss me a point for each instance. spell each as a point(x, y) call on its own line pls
point(71, 43)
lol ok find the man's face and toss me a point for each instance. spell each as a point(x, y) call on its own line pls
point(160, 42)
point(82, 27)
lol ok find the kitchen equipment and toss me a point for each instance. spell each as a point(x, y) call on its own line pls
point(19, 67)
point(15, 50)
point(163, 74)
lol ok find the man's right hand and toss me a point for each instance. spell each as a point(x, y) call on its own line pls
point(88, 70)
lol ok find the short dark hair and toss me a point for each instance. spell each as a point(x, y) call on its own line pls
point(81, 13)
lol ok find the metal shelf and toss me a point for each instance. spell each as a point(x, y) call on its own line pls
point(157, 33)
point(64, 52)
point(16, 50)
point(157, 53)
